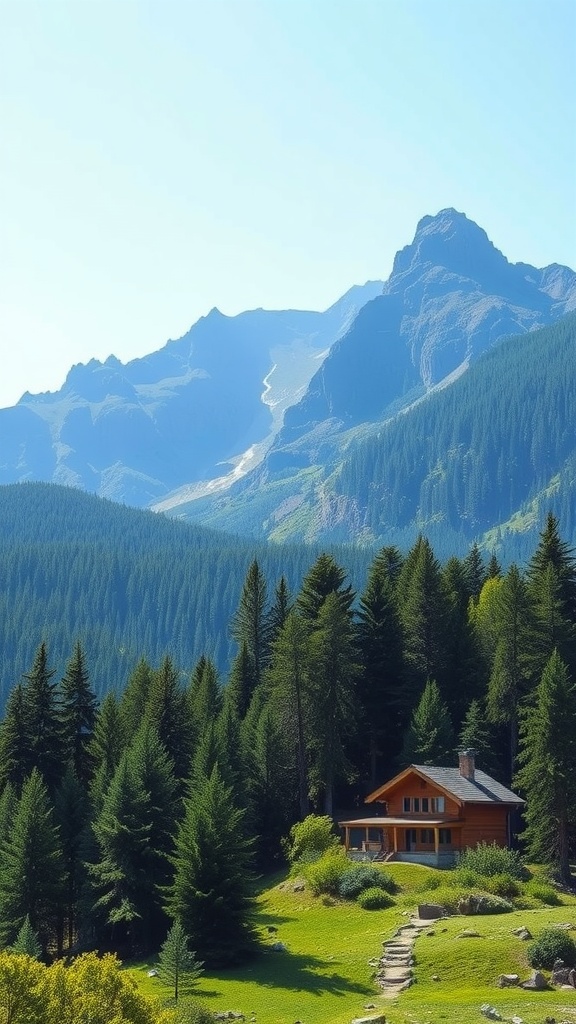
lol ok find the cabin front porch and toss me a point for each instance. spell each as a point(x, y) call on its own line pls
point(435, 842)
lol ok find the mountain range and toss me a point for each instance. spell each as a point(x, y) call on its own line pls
point(203, 407)
point(381, 417)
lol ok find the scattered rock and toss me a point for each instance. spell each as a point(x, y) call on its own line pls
point(369, 1006)
point(152, 974)
point(516, 1020)
point(431, 932)
point(299, 887)
point(464, 905)
point(490, 1012)
point(561, 973)
point(565, 926)
point(435, 977)
point(431, 911)
point(380, 1019)
point(508, 980)
point(468, 933)
point(229, 1015)
point(278, 947)
point(536, 981)
point(522, 933)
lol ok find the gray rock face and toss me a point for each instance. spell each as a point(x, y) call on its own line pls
point(185, 414)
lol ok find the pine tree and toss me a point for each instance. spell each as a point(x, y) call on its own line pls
point(27, 941)
point(135, 698)
point(77, 715)
point(71, 814)
point(474, 572)
point(477, 733)
point(177, 965)
point(325, 577)
point(430, 738)
point(332, 707)
point(31, 876)
point(121, 880)
point(250, 624)
point(204, 698)
point(242, 682)
point(212, 889)
point(424, 615)
point(15, 754)
point(105, 747)
point(510, 676)
point(553, 551)
point(168, 712)
point(279, 609)
point(380, 689)
point(154, 772)
point(548, 768)
point(42, 719)
point(272, 804)
point(289, 677)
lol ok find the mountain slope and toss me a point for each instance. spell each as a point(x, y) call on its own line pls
point(451, 296)
point(483, 459)
point(186, 413)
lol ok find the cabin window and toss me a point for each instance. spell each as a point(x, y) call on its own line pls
point(425, 804)
point(438, 804)
point(445, 836)
point(406, 804)
point(427, 835)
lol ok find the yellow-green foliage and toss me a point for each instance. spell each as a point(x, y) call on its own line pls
point(91, 989)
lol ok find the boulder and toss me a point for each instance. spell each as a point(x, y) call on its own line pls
point(508, 980)
point(490, 1012)
point(522, 933)
point(379, 1019)
point(536, 981)
point(560, 973)
point(431, 911)
point(278, 947)
point(468, 933)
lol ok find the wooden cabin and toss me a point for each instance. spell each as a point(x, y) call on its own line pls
point(428, 815)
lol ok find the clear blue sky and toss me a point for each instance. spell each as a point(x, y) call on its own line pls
point(160, 157)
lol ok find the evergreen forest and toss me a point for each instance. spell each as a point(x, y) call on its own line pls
point(125, 813)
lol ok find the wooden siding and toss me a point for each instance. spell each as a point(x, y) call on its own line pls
point(414, 786)
point(485, 824)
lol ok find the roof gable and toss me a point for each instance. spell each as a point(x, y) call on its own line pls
point(482, 789)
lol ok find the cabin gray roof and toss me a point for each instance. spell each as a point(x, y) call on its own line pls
point(483, 790)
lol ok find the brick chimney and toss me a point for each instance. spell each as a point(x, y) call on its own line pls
point(467, 763)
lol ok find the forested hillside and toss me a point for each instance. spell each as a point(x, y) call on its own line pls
point(471, 456)
point(125, 582)
point(159, 805)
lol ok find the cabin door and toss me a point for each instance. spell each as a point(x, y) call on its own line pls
point(410, 839)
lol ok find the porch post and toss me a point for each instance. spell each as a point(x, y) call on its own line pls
point(436, 841)
point(347, 838)
point(395, 839)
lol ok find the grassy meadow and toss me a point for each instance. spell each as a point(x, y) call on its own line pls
point(324, 977)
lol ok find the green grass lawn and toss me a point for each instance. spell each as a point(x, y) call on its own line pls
point(324, 977)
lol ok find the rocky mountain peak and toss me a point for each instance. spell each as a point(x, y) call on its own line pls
point(449, 240)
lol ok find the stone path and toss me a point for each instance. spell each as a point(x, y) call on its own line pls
point(395, 965)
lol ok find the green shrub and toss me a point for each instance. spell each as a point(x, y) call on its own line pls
point(194, 1013)
point(541, 890)
point(363, 876)
point(464, 878)
point(310, 837)
point(503, 885)
point(552, 944)
point(323, 875)
point(374, 899)
point(488, 859)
